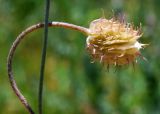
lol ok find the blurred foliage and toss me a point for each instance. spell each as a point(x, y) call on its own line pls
point(72, 84)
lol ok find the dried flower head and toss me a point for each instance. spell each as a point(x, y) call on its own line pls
point(113, 42)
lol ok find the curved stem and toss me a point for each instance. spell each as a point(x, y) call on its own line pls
point(17, 42)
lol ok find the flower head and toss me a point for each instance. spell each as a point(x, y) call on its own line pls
point(113, 42)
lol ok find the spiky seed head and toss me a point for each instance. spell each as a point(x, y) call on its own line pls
point(113, 42)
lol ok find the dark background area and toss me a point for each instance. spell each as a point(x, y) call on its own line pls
point(72, 84)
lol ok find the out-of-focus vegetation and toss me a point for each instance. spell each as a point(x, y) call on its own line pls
point(72, 84)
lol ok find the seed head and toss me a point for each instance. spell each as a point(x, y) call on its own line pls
point(113, 42)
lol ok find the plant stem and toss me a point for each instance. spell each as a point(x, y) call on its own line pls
point(43, 60)
point(17, 42)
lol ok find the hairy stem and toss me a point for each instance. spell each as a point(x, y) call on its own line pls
point(17, 42)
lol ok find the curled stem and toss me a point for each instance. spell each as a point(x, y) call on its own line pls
point(17, 42)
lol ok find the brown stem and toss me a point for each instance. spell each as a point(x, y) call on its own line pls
point(16, 43)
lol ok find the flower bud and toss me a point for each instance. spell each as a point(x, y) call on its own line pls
point(113, 42)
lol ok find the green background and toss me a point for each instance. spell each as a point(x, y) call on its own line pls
point(72, 84)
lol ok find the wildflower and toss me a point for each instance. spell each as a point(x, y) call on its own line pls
point(113, 42)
